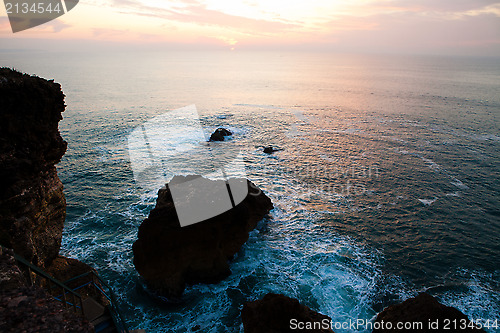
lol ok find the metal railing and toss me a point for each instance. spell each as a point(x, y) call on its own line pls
point(53, 283)
point(76, 297)
point(110, 296)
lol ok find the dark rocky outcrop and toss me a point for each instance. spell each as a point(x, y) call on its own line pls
point(32, 204)
point(276, 314)
point(63, 268)
point(270, 149)
point(423, 309)
point(220, 134)
point(169, 256)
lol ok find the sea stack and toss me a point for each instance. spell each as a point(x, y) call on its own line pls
point(169, 256)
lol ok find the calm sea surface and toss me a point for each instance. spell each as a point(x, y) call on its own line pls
point(388, 183)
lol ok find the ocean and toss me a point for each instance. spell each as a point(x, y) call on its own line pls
point(388, 183)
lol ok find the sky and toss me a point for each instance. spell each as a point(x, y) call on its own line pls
point(462, 27)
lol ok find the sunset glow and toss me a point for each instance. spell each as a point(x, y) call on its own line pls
point(346, 25)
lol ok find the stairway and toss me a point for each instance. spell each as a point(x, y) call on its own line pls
point(99, 316)
point(105, 319)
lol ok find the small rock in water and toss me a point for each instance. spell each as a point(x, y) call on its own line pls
point(270, 149)
point(219, 134)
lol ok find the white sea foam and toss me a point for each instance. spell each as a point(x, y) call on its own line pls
point(432, 165)
point(482, 299)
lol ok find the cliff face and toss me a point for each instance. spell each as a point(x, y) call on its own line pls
point(32, 203)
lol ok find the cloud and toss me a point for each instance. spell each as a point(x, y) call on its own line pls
point(350, 24)
point(52, 26)
point(55, 25)
point(431, 5)
point(452, 5)
point(426, 26)
point(414, 33)
point(106, 32)
point(408, 26)
point(5, 25)
point(126, 3)
point(203, 16)
point(194, 12)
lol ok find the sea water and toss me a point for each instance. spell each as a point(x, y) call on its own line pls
point(387, 185)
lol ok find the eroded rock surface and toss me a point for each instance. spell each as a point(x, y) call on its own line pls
point(32, 203)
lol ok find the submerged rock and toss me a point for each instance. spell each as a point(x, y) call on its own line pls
point(219, 134)
point(32, 203)
point(169, 256)
point(424, 309)
point(277, 313)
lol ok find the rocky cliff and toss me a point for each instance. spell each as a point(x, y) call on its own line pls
point(32, 204)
